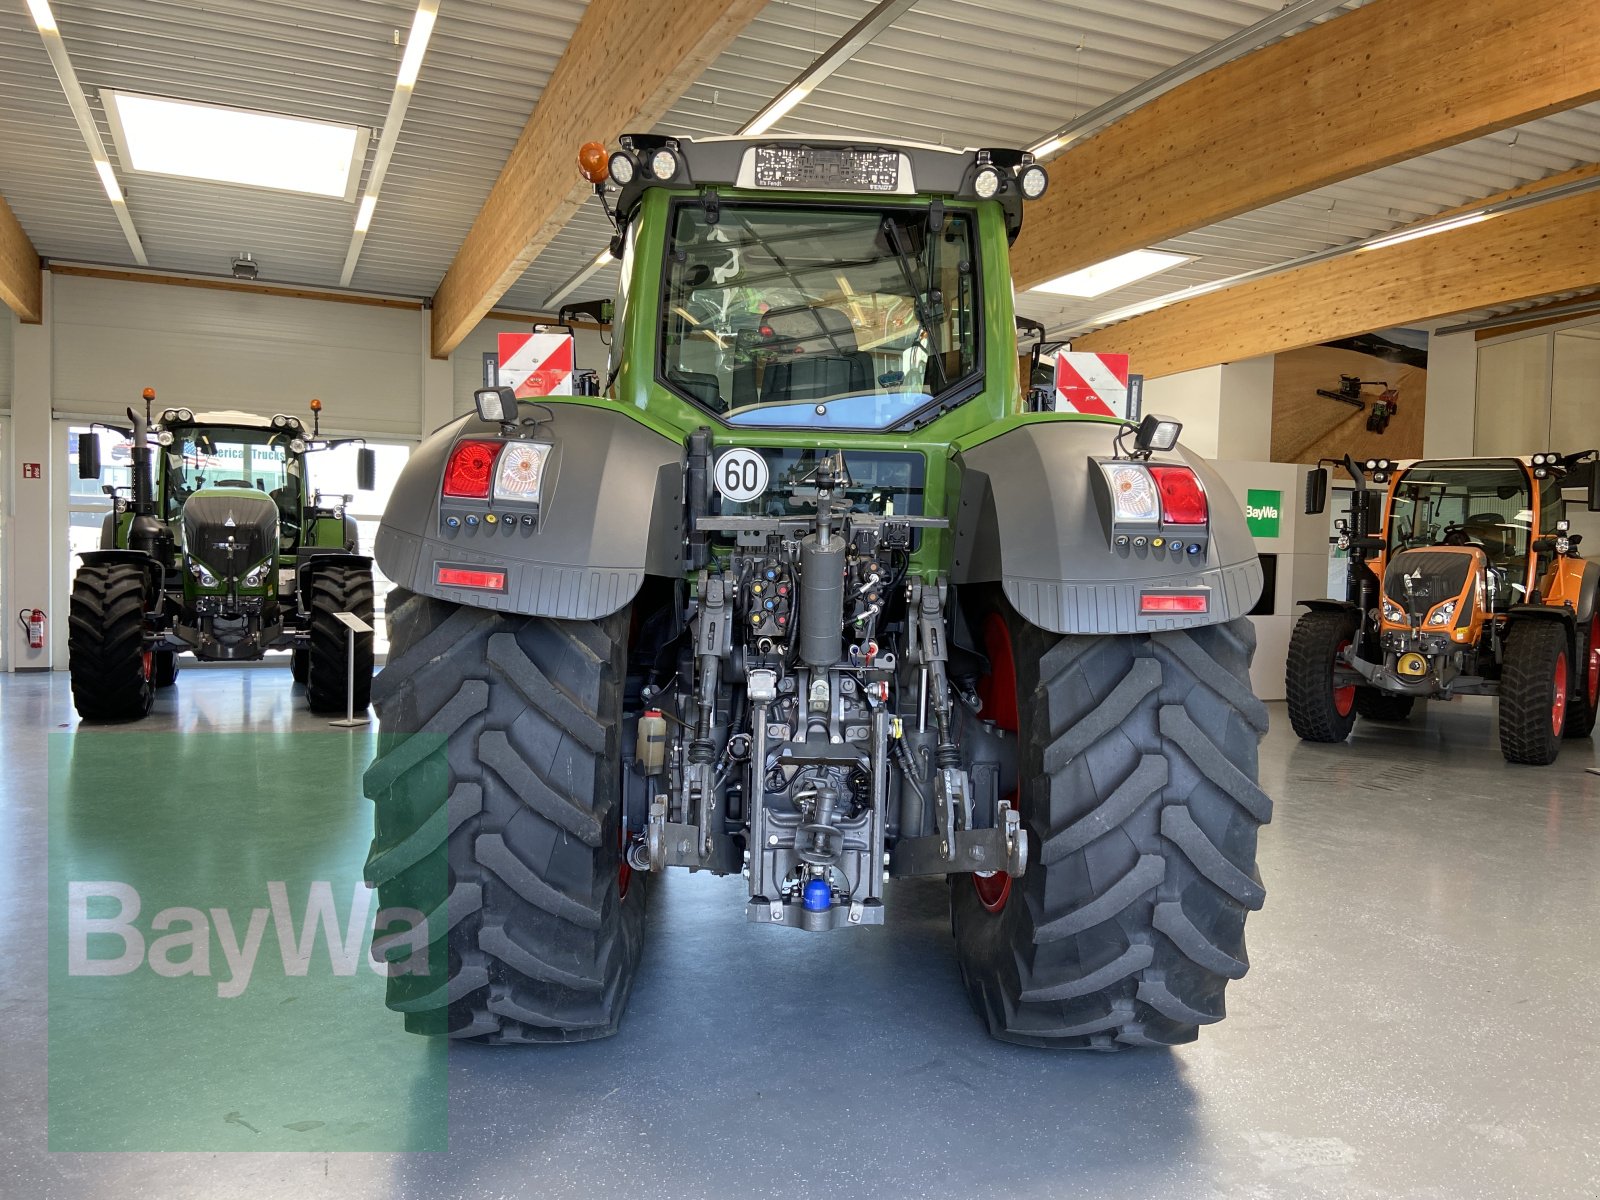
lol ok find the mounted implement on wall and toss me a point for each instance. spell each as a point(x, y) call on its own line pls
point(220, 548)
point(1464, 579)
point(810, 595)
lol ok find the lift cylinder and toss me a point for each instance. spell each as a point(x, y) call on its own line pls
point(821, 601)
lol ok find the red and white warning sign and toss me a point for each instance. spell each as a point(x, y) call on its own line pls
point(536, 364)
point(1096, 384)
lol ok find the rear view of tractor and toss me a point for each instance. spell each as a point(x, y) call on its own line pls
point(219, 548)
point(1464, 579)
point(812, 595)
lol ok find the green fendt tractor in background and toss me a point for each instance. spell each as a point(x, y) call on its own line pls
point(218, 548)
point(812, 594)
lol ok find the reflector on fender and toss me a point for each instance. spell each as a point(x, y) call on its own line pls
point(470, 469)
point(1183, 500)
point(1133, 496)
point(1174, 602)
point(472, 577)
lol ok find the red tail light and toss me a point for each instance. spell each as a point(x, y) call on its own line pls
point(1174, 602)
point(470, 470)
point(1183, 500)
point(466, 577)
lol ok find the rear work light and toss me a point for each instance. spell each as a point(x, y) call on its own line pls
point(494, 581)
point(1183, 500)
point(1174, 602)
point(471, 469)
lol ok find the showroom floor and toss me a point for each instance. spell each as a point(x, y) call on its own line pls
point(1418, 1021)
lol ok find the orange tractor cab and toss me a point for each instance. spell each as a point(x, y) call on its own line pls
point(1464, 579)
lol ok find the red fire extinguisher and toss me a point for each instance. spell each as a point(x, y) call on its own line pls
point(32, 620)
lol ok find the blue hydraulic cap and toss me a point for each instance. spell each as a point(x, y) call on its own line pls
point(818, 896)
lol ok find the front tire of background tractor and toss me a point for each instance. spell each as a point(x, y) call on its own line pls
point(164, 668)
point(106, 657)
point(299, 665)
point(545, 925)
point(337, 589)
point(1585, 702)
point(1535, 682)
point(1375, 704)
point(1319, 711)
point(1137, 786)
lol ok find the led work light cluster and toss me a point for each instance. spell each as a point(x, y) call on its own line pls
point(1544, 465)
point(659, 162)
point(990, 179)
point(1379, 470)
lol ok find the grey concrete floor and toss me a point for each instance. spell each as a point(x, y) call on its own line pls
point(1419, 1020)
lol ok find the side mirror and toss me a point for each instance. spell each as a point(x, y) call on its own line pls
point(1317, 490)
point(1594, 486)
point(497, 404)
point(366, 468)
point(89, 455)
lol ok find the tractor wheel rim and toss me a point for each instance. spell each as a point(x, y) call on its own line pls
point(624, 871)
point(1344, 698)
point(998, 691)
point(149, 665)
point(1558, 703)
point(1594, 663)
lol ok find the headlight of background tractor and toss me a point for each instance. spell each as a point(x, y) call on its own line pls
point(520, 474)
point(1442, 614)
point(257, 575)
point(1392, 612)
point(199, 571)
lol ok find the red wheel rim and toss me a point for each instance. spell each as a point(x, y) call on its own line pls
point(1344, 698)
point(1593, 683)
point(1558, 703)
point(998, 692)
point(149, 665)
point(624, 871)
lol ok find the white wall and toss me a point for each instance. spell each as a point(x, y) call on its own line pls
point(1226, 410)
point(203, 348)
point(1301, 548)
point(7, 321)
point(1452, 393)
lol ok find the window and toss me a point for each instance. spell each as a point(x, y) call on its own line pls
point(88, 504)
point(1487, 504)
point(333, 473)
point(833, 318)
point(223, 457)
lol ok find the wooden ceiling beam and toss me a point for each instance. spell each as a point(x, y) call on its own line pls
point(1515, 256)
point(21, 286)
point(626, 65)
point(1385, 83)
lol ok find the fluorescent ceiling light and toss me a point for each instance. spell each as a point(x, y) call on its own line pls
point(1408, 235)
point(1048, 147)
point(416, 46)
point(159, 136)
point(780, 109)
point(108, 179)
point(364, 213)
point(42, 16)
point(1113, 273)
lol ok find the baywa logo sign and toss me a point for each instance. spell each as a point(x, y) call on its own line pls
point(186, 936)
point(1262, 510)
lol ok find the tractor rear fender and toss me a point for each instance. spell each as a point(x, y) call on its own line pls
point(1578, 584)
point(1030, 518)
point(610, 512)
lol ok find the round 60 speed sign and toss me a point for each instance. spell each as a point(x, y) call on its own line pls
point(741, 474)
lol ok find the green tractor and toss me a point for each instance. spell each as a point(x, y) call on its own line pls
point(218, 549)
point(813, 594)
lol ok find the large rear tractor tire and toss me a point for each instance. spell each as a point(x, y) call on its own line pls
point(544, 925)
point(110, 666)
point(1375, 704)
point(1319, 711)
point(1585, 702)
point(336, 589)
point(1137, 788)
point(1535, 686)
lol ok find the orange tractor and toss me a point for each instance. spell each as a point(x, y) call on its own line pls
point(1465, 579)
